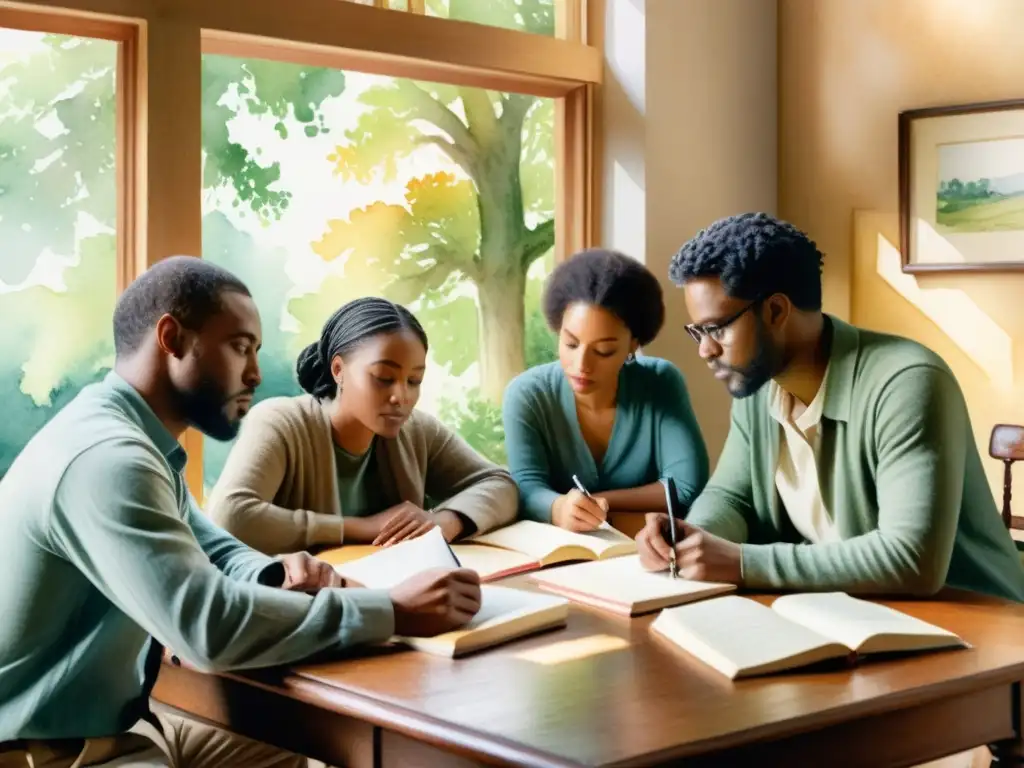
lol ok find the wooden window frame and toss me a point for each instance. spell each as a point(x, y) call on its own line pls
point(159, 103)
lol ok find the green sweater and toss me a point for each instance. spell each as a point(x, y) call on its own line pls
point(103, 548)
point(655, 435)
point(900, 475)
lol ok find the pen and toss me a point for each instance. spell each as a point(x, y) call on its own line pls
point(585, 492)
point(582, 488)
point(670, 502)
point(452, 551)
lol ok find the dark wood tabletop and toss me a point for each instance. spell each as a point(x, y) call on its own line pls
point(607, 691)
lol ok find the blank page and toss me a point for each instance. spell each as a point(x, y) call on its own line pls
point(623, 580)
point(505, 603)
point(504, 614)
point(393, 565)
point(488, 561)
point(739, 636)
point(540, 539)
point(855, 622)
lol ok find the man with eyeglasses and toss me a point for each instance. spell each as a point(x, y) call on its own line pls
point(850, 462)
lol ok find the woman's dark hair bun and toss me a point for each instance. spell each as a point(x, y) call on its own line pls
point(351, 325)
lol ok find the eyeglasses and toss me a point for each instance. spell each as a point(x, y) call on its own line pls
point(717, 330)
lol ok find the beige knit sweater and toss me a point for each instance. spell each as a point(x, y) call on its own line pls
point(278, 490)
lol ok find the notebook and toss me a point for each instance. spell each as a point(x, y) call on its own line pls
point(622, 586)
point(505, 614)
point(542, 544)
point(741, 637)
point(490, 563)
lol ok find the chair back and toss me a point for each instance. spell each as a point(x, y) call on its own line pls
point(1007, 445)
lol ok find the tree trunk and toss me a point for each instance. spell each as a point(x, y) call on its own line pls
point(502, 330)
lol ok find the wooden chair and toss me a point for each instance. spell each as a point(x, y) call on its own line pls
point(1007, 445)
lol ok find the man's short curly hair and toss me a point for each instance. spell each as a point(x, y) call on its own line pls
point(754, 255)
point(185, 287)
point(612, 281)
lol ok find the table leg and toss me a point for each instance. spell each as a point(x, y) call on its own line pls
point(1009, 753)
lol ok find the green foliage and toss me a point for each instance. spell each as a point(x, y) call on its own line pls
point(70, 169)
point(311, 310)
point(420, 253)
point(281, 90)
point(382, 135)
point(478, 422)
point(48, 177)
point(452, 330)
point(541, 345)
point(954, 189)
point(536, 169)
point(54, 343)
point(416, 254)
point(57, 155)
point(536, 16)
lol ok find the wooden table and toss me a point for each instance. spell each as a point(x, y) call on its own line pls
point(607, 692)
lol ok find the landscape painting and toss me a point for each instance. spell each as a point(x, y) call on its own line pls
point(981, 186)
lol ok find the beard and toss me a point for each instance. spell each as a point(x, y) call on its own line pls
point(204, 407)
point(767, 363)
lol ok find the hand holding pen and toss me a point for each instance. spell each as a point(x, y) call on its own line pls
point(697, 554)
point(670, 505)
point(578, 510)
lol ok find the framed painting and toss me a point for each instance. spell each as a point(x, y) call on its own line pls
point(962, 188)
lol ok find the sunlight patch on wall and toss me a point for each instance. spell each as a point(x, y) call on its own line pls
point(953, 311)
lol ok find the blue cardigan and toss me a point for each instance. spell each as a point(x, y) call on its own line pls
point(655, 435)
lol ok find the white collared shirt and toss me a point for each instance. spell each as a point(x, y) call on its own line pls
point(796, 476)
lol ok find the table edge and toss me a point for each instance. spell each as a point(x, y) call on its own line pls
point(396, 717)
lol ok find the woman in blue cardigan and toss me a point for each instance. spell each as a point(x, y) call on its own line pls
point(617, 421)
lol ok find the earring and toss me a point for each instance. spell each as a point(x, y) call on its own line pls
point(631, 357)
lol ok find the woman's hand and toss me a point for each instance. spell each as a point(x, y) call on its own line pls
point(404, 521)
point(577, 512)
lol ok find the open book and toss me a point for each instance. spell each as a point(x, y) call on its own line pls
point(517, 548)
point(622, 586)
point(504, 615)
point(490, 563)
point(536, 545)
point(740, 637)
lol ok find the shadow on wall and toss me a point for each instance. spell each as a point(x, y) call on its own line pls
point(982, 341)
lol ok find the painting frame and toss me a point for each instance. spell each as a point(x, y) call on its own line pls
point(917, 153)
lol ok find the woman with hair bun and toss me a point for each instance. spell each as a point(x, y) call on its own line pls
point(618, 422)
point(353, 460)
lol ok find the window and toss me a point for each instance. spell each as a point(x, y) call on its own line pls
point(436, 196)
point(534, 16)
point(334, 159)
point(58, 203)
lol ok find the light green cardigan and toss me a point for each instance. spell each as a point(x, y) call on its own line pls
point(900, 474)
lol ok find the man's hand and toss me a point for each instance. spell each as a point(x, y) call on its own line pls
point(699, 555)
point(577, 512)
point(404, 521)
point(435, 601)
point(305, 573)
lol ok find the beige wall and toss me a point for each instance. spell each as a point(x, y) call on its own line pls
point(689, 114)
point(846, 69)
